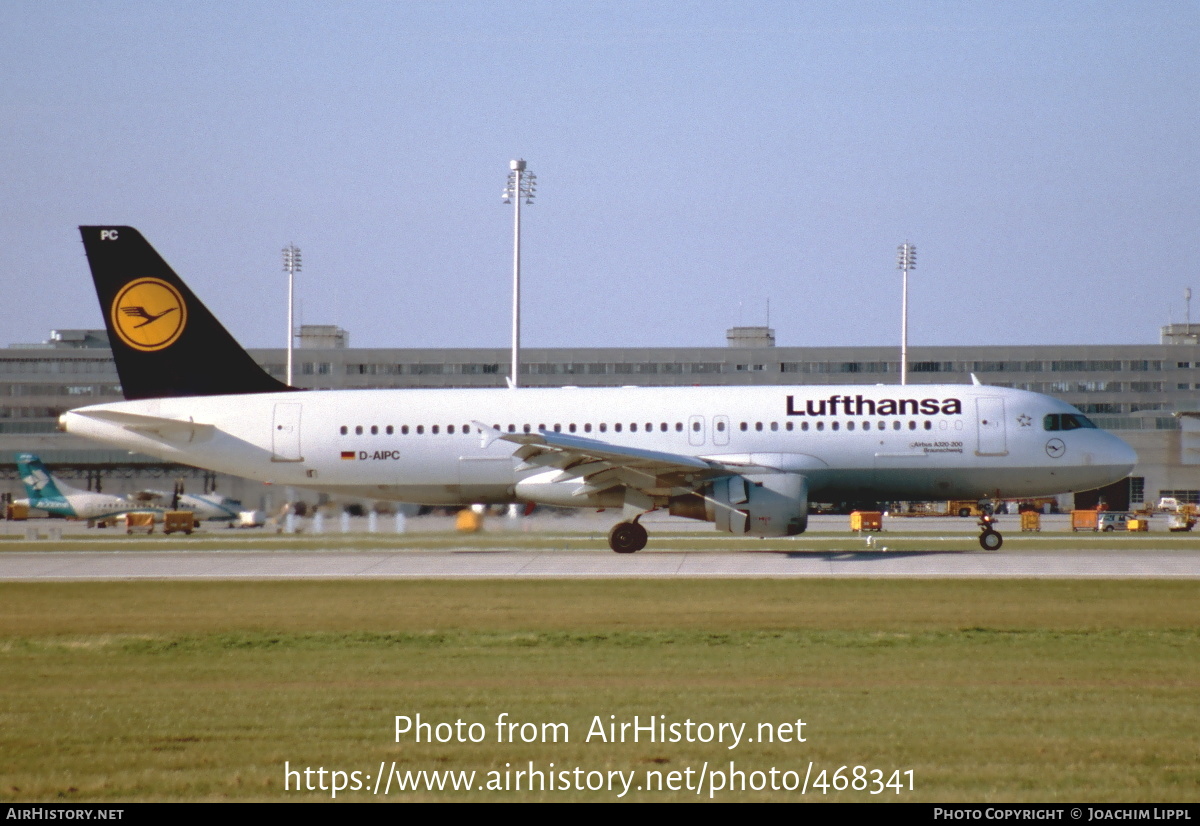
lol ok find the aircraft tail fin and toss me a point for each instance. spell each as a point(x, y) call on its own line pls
point(40, 486)
point(165, 342)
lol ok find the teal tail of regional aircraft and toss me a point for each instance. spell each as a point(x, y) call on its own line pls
point(165, 342)
point(40, 486)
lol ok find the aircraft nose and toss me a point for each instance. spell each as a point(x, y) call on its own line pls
point(1120, 454)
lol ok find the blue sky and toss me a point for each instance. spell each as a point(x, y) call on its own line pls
point(695, 160)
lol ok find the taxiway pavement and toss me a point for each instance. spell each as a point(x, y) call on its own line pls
point(524, 564)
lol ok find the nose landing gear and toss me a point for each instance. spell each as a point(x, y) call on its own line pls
point(989, 538)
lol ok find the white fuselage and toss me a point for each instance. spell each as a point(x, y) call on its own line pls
point(78, 504)
point(426, 446)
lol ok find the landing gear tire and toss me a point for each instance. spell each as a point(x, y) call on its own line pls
point(627, 537)
point(989, 540)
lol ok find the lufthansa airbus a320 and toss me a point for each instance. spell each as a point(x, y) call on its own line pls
point(748, 459)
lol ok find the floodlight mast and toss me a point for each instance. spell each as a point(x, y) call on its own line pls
point(291, 265)
point(906, 259)
point(522, 183)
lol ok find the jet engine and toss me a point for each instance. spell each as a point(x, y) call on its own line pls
point(770, 504)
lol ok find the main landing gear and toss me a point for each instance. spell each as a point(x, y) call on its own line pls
point(627, 537)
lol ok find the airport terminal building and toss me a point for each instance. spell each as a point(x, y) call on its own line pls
point(1149, 394)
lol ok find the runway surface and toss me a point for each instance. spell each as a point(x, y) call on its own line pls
point(502, 563)
point(573, 547)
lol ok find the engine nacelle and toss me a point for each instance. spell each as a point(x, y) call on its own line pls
point(770, 504)
point(571, 493)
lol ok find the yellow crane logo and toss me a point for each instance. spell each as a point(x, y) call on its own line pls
point(149, 314)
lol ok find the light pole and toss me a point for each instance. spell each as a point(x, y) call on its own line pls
point(522, 183)
point(291, 265)
point(906, 259)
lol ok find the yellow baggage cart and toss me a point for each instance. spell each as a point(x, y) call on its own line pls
point(174, 521)
point(866, 521)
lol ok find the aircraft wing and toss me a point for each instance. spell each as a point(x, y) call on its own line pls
point(147, 496)
point(561, 445)
point(601, 465)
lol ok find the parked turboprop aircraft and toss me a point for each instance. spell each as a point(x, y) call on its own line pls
point(746, 458)
point(57, 498)
point(208, 506)
point(49, 493)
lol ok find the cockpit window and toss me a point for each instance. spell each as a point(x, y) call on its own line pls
point(1066, 421)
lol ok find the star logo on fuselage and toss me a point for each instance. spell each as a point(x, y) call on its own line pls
point(1024, 420)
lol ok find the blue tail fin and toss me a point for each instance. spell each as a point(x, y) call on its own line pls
point(39, 484)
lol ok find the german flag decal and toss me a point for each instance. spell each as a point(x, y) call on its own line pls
point(347, 454)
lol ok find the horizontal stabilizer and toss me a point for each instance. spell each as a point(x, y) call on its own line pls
point(160, 426)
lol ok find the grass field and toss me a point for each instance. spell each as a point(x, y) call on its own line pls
point(985, 691)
